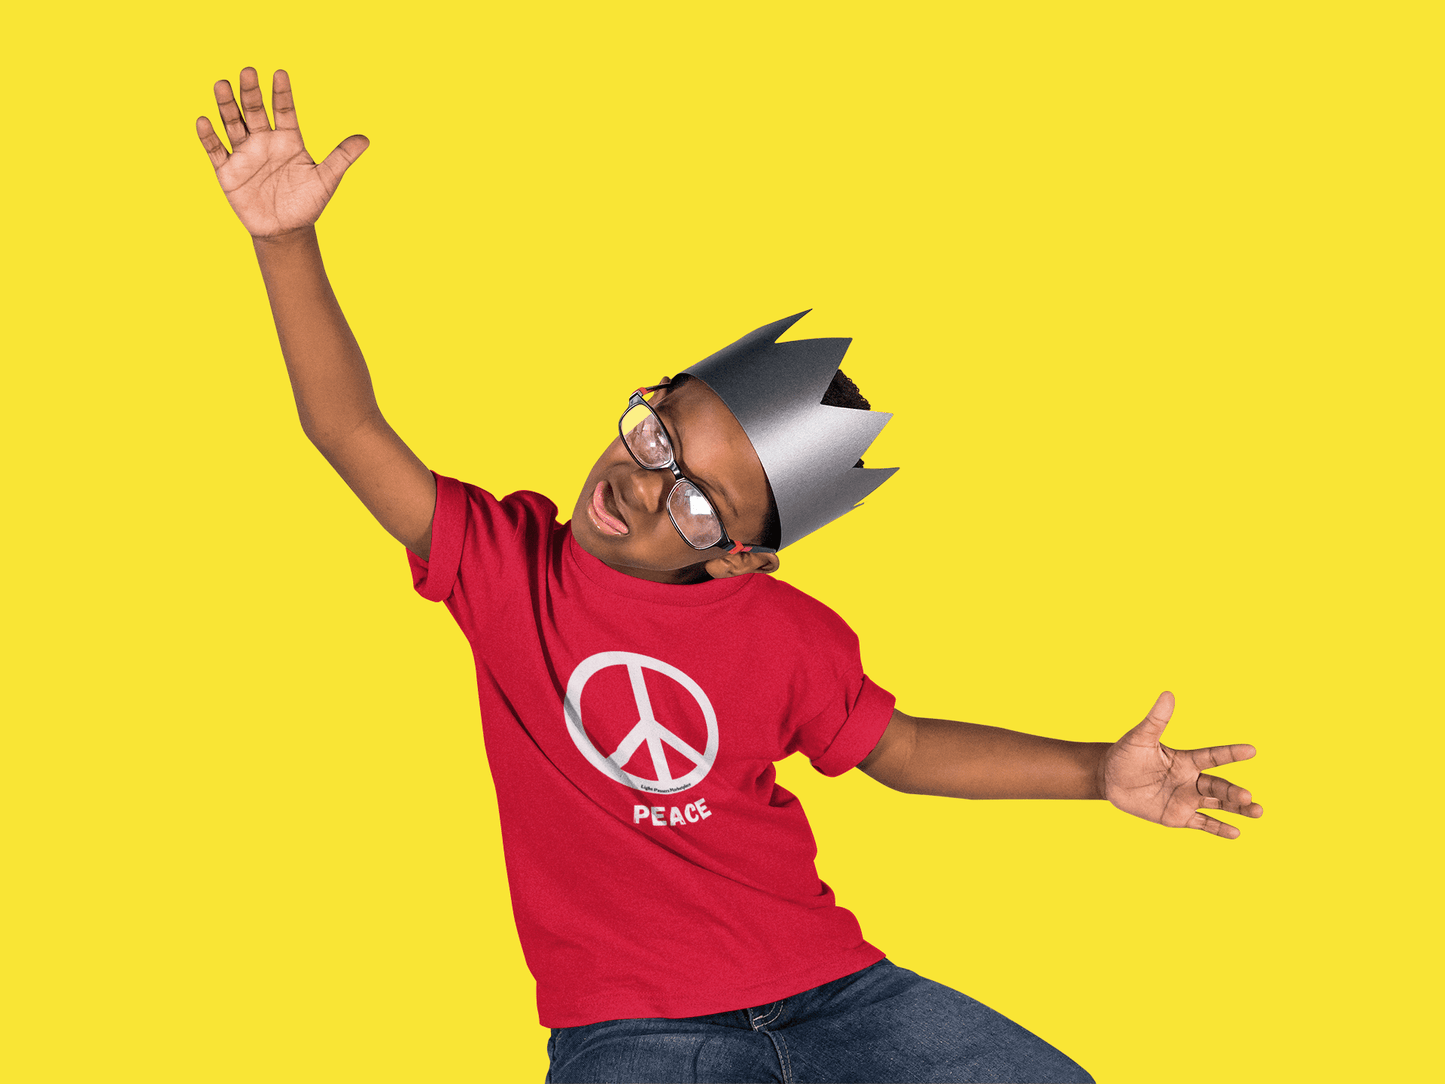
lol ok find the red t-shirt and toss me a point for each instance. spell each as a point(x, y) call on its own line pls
point(656, 868)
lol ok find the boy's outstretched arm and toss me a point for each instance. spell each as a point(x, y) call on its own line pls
point(1136, 773)
point(278, 192)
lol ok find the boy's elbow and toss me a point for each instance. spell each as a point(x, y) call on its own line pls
point(330, 434)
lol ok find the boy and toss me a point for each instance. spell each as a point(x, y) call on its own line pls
point(639, 674)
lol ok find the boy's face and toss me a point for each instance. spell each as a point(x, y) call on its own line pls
point(621, 515)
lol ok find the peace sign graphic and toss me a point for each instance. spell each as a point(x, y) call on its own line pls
point(647, 729)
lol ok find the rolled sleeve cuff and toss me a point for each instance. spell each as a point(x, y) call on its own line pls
point(866, 723)
point(435, 577)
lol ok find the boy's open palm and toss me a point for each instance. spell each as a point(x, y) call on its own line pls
point(1168, 786)
point(273, 185)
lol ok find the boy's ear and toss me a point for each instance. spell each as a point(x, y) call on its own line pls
point(740, 564)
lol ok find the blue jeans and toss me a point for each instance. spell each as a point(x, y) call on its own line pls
point(881, 1024)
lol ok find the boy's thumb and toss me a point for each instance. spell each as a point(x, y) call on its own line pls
point(337, 162)
point(1158, 717)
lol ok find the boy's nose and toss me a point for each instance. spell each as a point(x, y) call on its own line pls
point(648, 489)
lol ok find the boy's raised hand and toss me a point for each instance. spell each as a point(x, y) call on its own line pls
point(1168, 786)
point(273, 185)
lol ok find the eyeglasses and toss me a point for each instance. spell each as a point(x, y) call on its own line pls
point(694, 516)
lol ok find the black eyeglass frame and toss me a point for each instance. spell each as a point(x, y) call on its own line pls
point(638, 398)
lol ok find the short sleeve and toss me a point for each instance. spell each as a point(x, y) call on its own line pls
point(482, 548)
point(435, 577)
point(840, 713)
point(867, 718)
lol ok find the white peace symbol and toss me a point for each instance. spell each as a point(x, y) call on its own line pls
point(647, 728)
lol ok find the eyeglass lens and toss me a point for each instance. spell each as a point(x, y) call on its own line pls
point(690, 510)
point(694, 515)
point(646, 438)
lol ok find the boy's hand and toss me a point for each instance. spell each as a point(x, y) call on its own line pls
point(273, 185)
point(1167, 786)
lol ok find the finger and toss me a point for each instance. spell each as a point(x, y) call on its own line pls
point(1244, 809)
point(1213, 787)
point(1216, 755)
point(339, 161)
point(1212, 826)
point(283, 106)
point(212, 142)
point(253, 105)
point(1153, 725)
point(230, 114)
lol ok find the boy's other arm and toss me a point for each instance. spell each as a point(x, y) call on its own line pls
point(968, 760)
point(334, 397)
point(278, 192)
point(1137, 773)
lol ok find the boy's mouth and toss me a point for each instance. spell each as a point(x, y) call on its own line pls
point(603, 519)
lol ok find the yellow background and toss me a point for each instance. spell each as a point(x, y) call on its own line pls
point(1153, 290)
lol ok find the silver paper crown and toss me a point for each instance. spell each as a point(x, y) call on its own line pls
point(809, 451)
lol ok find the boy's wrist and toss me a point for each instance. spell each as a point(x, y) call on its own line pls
point(1100, 752)
point(300, 235)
